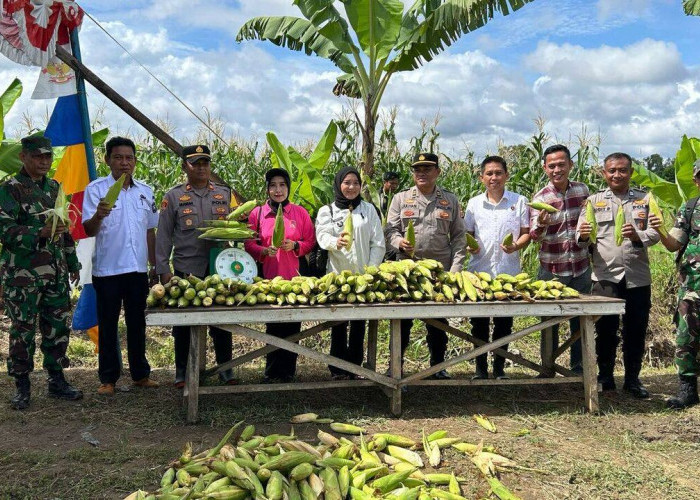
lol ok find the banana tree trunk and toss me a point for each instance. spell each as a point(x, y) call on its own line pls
point(368, 141)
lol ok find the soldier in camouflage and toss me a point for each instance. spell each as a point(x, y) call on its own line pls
point(38, 265)
point(685, 237)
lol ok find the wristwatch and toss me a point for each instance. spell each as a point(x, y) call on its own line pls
point(296, 246)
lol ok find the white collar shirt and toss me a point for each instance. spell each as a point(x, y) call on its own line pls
point(120, 243)
point(490, 223)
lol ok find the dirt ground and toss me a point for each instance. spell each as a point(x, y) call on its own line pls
point(632, 449)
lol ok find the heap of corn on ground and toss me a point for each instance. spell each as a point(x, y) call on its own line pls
point(245, 465)
point(405, 280)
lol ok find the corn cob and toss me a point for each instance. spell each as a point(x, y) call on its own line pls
point(508, 240)
point(406, 455)
point(301, 471)
point(543, 206)
point(590, 218)
point(655, 210)
point(347, 428)
point(278, 231)
point(619, 222)
point(114, 190)
point(411, 235)
point(289, 460)
point(242, 210)
point(349, 229)
point(388, 483)
point(331, 488)
point(471, 242)
point(274, 487)
point(485, 423)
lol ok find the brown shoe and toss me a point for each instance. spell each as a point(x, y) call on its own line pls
point(106, 390)
point(145, 382)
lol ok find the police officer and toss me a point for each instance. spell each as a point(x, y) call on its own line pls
point(440, 235)
point(38, 264)
point(685, 237)
point(620, 271)
point(183, 209)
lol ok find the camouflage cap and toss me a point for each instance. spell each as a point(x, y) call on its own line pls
point(37, 144)
point(196, 152)
point(696, 167)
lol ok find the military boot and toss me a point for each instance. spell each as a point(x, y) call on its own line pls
point(21, 399)
point(60, 388)
point(687, 394)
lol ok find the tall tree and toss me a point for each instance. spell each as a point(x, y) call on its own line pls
point(692, 7)
point(377, 40)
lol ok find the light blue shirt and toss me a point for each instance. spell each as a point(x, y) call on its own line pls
point(120, 243)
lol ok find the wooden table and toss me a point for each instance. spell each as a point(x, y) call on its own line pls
point(233, 319)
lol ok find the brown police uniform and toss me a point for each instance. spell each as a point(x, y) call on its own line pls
point(440, 235)
point(621, 272)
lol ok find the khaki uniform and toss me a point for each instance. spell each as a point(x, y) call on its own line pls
point(621, 272)
point(440, 235)
point(440, 231)
point(630, 260)
point(182, 211)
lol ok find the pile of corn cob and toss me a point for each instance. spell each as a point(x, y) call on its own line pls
point(282, 467)
point(233, 227)
point(404, 280)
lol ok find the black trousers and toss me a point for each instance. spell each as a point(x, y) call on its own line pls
point(348, 349)
point(222, 340)
point(129, 289)
point(502, 327)
point(634, 328)
point(436, 339)
point(281, 364)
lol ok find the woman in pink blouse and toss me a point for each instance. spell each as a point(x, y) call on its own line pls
point(299, 239)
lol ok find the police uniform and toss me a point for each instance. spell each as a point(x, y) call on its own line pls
point(440, 235)
point(36, 273)
point(184, 209)
point(621, 272)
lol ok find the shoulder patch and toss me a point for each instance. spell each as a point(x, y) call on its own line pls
point(164, 204)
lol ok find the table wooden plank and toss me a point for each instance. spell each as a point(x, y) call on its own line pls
point(197, 336)
point(590, 367)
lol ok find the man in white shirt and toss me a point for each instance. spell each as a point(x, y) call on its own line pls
point(124, 245)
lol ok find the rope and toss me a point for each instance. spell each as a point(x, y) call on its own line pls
point(157, 79)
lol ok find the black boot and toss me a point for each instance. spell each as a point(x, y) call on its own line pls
point(634, 386)
point(687, 394)
point(60, 388)
point(482, 367)
point(21, 399)
point(605, 375)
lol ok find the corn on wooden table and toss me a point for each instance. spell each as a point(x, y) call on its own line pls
point(233, 320)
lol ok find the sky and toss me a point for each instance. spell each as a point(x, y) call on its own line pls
point(627, 71)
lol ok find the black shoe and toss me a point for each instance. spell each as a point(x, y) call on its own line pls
point(60, 388)
point(687, 394)
point(607, 383)
point(180, 376)
point(441, 375)
point(480, 375)
point(636, 389)
point(226, 377)
point(500, 375)
point(578, 370)
point(21, 399)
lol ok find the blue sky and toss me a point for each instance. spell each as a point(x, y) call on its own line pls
point(627, 69)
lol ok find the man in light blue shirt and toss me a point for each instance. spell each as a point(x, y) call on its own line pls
point(124, 245)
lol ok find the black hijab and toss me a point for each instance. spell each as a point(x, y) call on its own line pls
point(277, 172)
point(340, 200)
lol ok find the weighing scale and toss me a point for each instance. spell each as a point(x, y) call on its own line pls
point(229, 260)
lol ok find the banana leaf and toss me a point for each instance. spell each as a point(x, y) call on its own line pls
point(664, 190)
point(683, 166)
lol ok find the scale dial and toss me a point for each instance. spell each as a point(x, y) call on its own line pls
point(236, 263)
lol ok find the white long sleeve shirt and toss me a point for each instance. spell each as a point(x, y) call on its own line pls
point(368, 245)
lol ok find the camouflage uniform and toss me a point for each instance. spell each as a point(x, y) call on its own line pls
point(35, 277)
point(688, 326)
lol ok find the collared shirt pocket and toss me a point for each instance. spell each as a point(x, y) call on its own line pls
point(604, 215)
point(219, 212)
point(409, 214)
point(188, 218)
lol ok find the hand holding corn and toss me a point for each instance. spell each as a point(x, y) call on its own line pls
point(287, 245)
point(584, 231)
point(629, 232)
point(544, 218)
point(47, 230)
point(342, 241)
point(103, 210)
point(406, 247)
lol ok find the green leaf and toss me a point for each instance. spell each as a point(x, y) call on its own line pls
point(11, 94)
point(685, 158)
point(420, 41)
point(295, 34)
point(377, 24)
point(321, 189)
point(328, 21)
point(281, 154)
point(99, 137)
point(9, 158)
point(324, 148)
point(662, 189)
point(691, 7)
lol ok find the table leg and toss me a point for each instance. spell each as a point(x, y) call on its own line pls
point(395, 364)
point(590, 379)
point(197, 337)
point(547, 351)
point(203, 352)
point(372, 344)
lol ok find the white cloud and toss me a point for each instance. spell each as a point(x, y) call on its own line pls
point(626, 8)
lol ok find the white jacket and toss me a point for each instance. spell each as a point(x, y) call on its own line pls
point(368, 245)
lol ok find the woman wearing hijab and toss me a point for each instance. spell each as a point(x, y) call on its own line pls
point(283, 261)
point(367, 249)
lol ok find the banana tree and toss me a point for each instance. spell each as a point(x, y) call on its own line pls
point(692, 7)
point(9, 150)
point(374, 40)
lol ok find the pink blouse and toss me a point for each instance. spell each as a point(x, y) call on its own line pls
point(297, 227)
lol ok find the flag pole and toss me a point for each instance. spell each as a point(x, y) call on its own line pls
point(82, 102)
